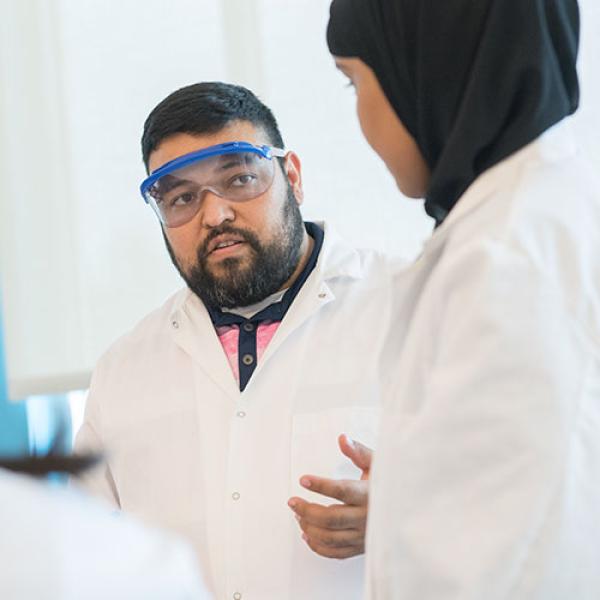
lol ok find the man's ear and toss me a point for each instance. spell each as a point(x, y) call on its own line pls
point(293, 170)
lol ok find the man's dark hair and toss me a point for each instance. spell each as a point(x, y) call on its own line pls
point(205, 108)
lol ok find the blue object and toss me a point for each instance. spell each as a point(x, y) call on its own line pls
point(14, 433)
point(187, 159)
point(31, 425)
point(50, 427)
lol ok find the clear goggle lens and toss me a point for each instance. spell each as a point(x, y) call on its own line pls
point(176, 194)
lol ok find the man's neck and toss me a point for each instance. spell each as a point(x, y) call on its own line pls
point(305, 252)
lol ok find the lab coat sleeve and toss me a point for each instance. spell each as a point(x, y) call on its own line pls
point(99, 480)
point(473, 484)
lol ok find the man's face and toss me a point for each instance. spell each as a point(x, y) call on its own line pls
point(237, 253)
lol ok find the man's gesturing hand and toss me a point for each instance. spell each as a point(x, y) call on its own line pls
point(337, 531)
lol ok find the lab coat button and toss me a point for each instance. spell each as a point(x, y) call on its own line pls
point(175, 325)
point(235, 496)
point(248, 327)
point(241, 414)
point(237, 596)
point(322, 295)
point(248, 359)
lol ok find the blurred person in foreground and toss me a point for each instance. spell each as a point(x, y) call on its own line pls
point(57, 544)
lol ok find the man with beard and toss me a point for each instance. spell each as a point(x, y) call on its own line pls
point(221, 411)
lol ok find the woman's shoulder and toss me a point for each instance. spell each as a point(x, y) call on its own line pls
point(542, 201)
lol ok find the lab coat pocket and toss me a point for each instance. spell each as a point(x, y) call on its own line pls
point(315, 450)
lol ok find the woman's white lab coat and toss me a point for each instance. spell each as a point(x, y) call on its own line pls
point(486, 484)
point(58, 545)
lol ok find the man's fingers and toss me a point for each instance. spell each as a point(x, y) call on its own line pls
point(333, 539)
point(358, 453)
point(330, 552)
point(335, 517)
point(348, 491)
point(336, 531)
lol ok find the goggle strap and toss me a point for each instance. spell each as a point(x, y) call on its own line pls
point(277, 152)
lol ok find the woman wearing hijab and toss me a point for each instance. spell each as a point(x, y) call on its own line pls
point(486, 482)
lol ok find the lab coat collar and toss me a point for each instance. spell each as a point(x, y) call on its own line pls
point(193, 331)
point(554, 145)
point(338, 258)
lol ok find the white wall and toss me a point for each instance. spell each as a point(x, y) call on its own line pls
point(587, 119)
point(82, 258)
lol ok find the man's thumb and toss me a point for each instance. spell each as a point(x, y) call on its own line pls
point(358, 453)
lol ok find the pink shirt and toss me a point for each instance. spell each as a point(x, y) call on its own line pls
point(229, 337)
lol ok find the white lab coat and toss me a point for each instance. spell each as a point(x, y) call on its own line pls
point(187, 450)
point(486, 484)
point(58, 545)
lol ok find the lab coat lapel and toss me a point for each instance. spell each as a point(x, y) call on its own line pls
point(337, 259)
point(312, 297)
point(194, 333)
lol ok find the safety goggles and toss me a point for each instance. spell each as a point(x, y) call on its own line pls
point(237, 171)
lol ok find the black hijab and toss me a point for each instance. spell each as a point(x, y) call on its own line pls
point(472, 80)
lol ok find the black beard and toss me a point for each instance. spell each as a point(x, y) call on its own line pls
point(247, 281)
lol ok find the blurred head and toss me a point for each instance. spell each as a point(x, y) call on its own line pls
point(230, 253)
point(42, 466)
point(445, 90)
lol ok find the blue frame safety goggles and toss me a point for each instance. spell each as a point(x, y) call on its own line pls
point(236, 171)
